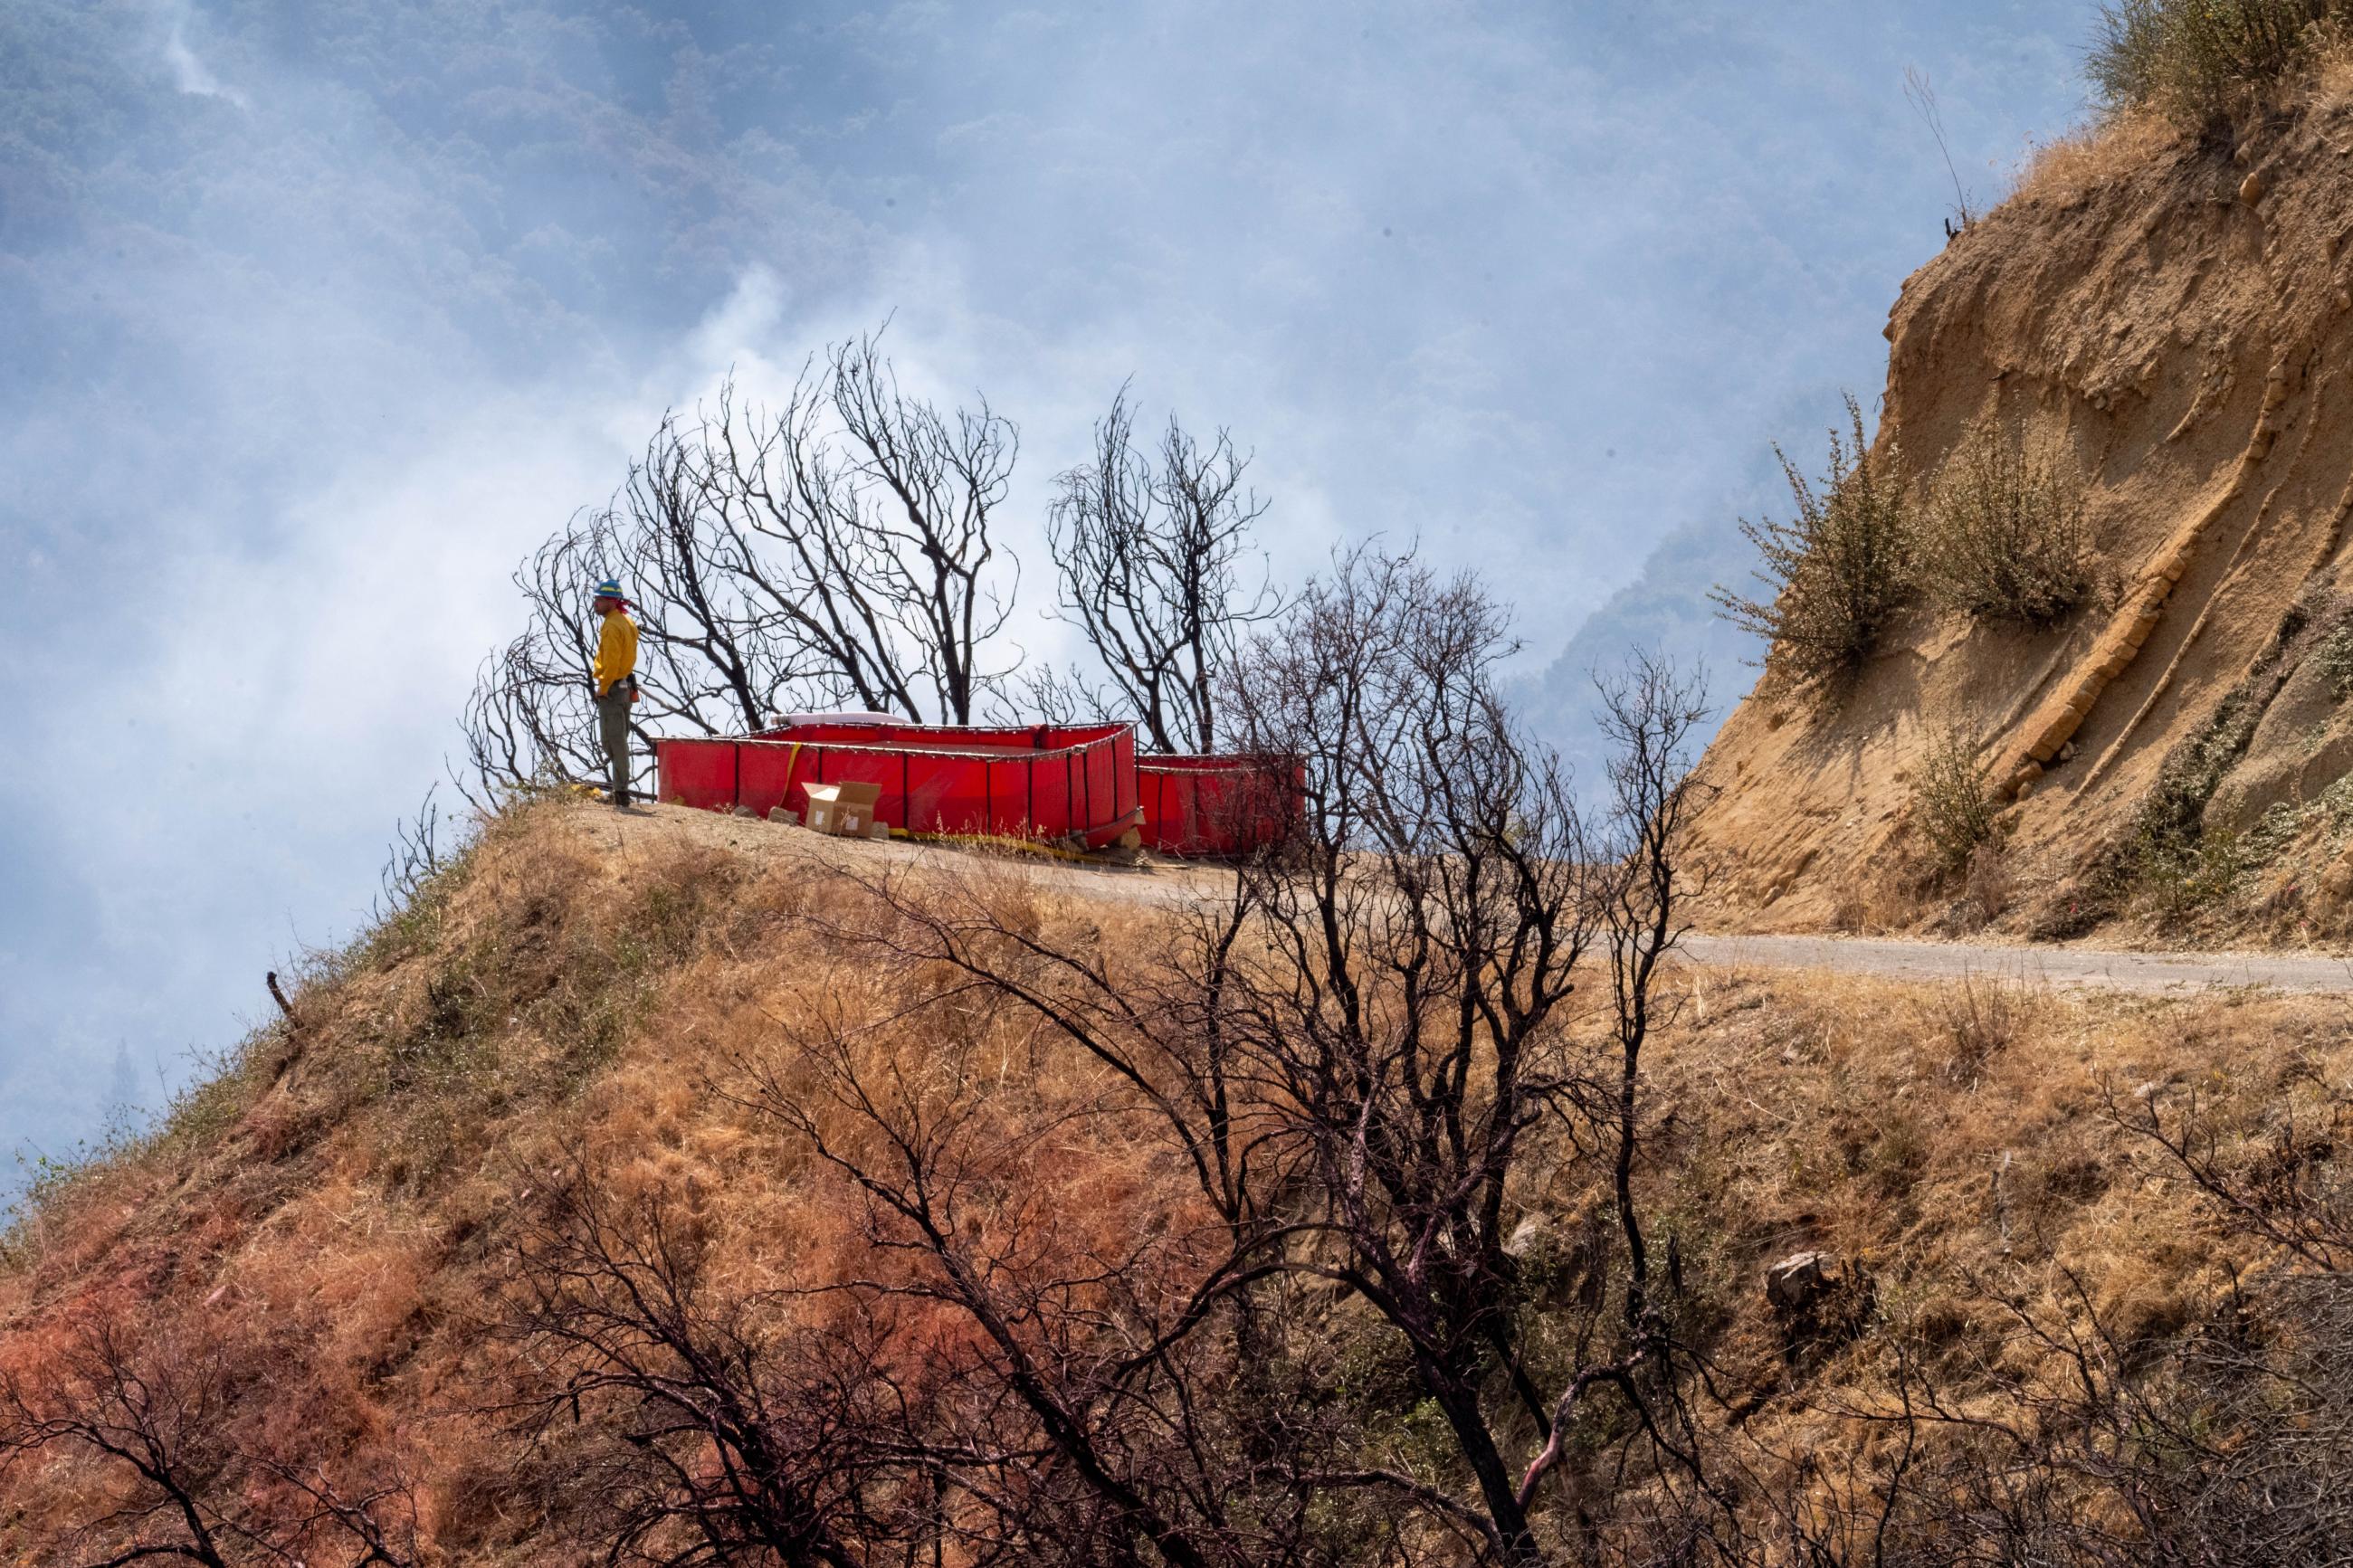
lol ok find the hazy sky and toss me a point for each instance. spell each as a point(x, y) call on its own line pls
point(316, 315)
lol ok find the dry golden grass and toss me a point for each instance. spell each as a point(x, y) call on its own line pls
point(2072, 165)
point(336, 1213)
point(1957, 1142)
point(2330, 83)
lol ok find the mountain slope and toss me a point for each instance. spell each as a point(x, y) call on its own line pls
point(354, 1270)
point(2174, 314)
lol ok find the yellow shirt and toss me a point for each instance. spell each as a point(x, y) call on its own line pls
point(617, 651)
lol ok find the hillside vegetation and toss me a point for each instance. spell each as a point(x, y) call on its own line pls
point(587, 1179)
point(673, 1188)
point(2115, 420)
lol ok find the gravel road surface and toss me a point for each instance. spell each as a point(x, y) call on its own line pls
point(1889, 958)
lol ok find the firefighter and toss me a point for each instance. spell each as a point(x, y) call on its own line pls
point(616, 682)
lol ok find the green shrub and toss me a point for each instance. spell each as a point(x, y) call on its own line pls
point(1837, 571)
point(2176, 879)
point(2202, 62)
point(2335, 656)
point(1953, 801)
point(2173, 864)
point(2003, 539)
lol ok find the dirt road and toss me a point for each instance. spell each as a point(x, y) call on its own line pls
point(2101, 968)
point(1888, 958)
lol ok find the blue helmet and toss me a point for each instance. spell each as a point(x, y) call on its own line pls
point(610, 588)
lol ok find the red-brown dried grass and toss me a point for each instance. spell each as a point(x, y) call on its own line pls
point(1796, 1112)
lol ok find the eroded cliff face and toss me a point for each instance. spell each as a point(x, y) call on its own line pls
point(2176, 317)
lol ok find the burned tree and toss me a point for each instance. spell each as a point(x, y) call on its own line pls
point(1354, 1058)
point(1153, 552)
point(1433, 924)
point(699, 1426)
point(861, 518)
point(1108, 1432)
point(153, 1408)
point(531, 714)
point(839, 550)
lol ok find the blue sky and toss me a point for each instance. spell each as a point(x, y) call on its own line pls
point(315, 316)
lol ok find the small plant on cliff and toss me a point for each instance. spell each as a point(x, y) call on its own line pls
point(1837, 571)
point(2175, 864)
point(2335, 657)
point(2004, 538)
point(1953, 801)
point(2202, 62)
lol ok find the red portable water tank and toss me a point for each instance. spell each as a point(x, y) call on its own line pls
point(1080, 784)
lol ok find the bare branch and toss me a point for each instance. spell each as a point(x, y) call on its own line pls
point(1153, 551)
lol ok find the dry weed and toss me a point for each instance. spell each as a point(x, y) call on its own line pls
point(2070, 166)
point(2202, 63)
point(1986, 886)
point(2330, 85)
point(1977, 1017)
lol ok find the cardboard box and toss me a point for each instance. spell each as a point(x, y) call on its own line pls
point(847, 809)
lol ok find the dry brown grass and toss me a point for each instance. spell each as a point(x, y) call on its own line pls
point(1989, 885)
point(338, 1218)
point(2069, 168)
point(2330, 84)
point(355, 1184)
point(1941, 1134)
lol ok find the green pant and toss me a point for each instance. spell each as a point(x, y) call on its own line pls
point(613, 723)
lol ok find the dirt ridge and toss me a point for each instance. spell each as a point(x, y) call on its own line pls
point(2170, 314)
